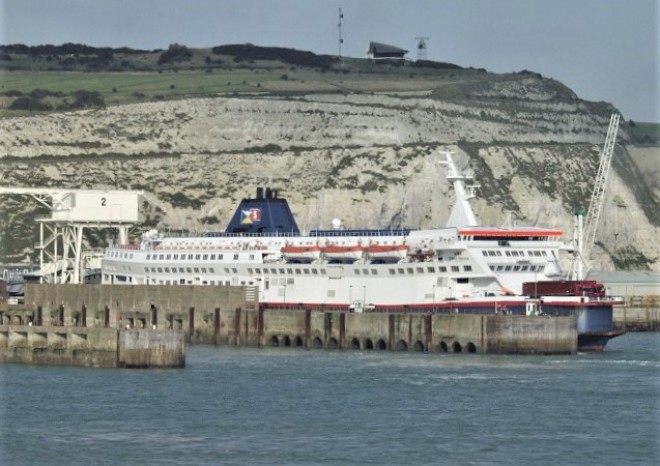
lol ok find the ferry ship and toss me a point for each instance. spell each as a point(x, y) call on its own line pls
point(461, 268)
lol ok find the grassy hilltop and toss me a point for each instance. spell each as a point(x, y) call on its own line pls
point(50, 76)
point(73, 76)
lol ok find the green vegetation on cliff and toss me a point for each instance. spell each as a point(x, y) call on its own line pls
point(51, 78)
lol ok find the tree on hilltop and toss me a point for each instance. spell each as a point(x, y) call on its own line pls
point(175, 53)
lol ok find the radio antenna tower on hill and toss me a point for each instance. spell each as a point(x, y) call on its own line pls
point(341, 39)
point(421, 47)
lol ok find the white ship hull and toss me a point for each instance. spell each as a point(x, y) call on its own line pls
point(407, 267)
point(456, 271)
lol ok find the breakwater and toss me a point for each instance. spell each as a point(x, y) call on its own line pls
point(91, 347)
point(232, 316)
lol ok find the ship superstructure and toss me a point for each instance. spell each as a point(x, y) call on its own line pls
point(262, 247)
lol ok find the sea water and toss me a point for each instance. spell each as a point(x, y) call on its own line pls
point(240, 406)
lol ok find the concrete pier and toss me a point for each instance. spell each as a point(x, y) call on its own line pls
point(220, 315)
point(91, 347)
point(640, 314)
point(150, 348)
point(484, 334)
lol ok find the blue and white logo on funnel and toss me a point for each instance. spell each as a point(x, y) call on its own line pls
point(250, 216)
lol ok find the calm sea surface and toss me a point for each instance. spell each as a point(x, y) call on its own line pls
point(291, 406)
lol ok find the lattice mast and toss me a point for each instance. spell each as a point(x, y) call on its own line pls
point(341, 39)
point(586, 231)
point(421, 48)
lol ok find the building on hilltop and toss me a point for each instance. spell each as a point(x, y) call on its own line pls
point(384, 51)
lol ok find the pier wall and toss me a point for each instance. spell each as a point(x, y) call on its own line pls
point(496, 334)
point(521, 334)
point(222, 315)
point(149, 348)
point(640, 314)
point(185, 307)
point(91, 347)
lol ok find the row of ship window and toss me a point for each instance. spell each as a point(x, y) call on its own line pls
point(305, 271)
point(514, 253)
point(176, 257)
point(181, 281)
point(365, 271)
point(182, 270)
point(197, 257)
point(517, 268)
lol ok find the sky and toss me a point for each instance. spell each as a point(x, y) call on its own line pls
point(604, 50)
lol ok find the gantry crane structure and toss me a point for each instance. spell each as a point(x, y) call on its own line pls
point(71, 211)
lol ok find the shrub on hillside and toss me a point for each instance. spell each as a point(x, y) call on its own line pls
point(174, 54)
point(29, 103)
point(84, 99)
point(66, 49)
point(436, 65)
point(41, 93)
point(12, 93)
point(249, 52)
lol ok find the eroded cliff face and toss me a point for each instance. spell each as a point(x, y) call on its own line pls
point(369, 160)
point(313, 121)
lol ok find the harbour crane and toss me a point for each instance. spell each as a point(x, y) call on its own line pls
point(585, 232)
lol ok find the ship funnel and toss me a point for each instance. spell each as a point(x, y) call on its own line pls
point(266, 214)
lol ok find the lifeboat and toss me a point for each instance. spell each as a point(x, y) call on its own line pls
point(301, 253)
point(343, 253)
point(387, 252)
